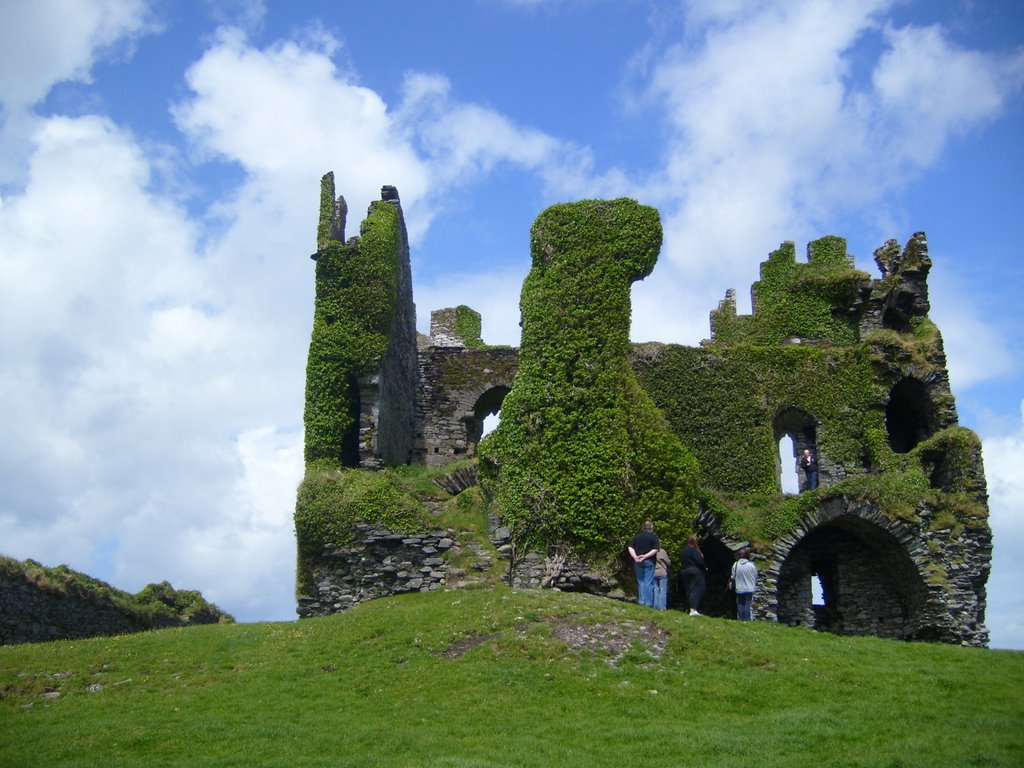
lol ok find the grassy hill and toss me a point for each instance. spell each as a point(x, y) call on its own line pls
point(481, 678)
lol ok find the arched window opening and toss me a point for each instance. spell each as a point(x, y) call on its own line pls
point(799, 427)
point(485, 417)
point(786, 461)
point(907, 417)
point(350, 444)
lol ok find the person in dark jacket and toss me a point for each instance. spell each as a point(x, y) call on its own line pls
point(644, 549)
point(809, 466)
point(694, 572)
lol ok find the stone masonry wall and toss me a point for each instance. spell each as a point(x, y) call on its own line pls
point(459, 387)
point(378, 563)
point(29, 614)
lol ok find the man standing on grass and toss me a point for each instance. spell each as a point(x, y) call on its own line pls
point(744, 581)
point(644, 549)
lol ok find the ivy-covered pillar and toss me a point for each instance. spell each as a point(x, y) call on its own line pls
point(582, 456)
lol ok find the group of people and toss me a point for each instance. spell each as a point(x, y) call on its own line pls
point(653, 565)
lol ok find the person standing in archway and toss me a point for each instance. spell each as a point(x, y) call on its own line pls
point(694, 572)
point(744, 581)
point(644, 549)
point(809, 466)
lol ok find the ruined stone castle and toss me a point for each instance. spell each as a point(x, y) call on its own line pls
point(603, 433)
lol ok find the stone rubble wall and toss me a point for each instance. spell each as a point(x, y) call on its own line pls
point(378, 563)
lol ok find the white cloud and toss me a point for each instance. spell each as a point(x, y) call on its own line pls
point(976, 348)
point(49, 41)
point(284, 113)
point(1004, 457)
point(929, 90)
point(46, 42)
point(146, 383)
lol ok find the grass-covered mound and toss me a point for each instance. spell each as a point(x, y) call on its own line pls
point(500, 678)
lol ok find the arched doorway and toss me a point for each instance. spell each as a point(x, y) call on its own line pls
point(908, 414)
point(718, 601)
point(869, 584)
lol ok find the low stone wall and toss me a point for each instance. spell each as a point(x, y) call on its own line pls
point(378, 563)
point(31, 612)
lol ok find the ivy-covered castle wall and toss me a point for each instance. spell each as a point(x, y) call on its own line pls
point(361, 372)
point(598, 434)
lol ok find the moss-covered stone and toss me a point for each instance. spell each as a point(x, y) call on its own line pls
point(802, 301)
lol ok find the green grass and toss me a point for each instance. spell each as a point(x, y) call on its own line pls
point(475, 678)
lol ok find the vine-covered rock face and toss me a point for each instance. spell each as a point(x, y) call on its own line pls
point(582, 456)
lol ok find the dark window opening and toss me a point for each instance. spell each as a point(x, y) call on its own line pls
point(894, 320)
point(350, 440)
point(718, 600)
point(907, 415)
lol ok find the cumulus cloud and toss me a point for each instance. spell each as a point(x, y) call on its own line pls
point(51, 41)
point(1004, 456)
point(977, 348)
point(930, 89)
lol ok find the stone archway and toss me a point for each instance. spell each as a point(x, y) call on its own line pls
point(486, 404)
point(870, 583)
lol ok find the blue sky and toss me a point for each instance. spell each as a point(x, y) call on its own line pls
point(159, 183)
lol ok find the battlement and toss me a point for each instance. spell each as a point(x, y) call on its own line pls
point(827, 301)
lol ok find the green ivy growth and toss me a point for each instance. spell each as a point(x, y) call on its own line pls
point(722, 403)
point(353, 311)
point(797, 300)
point(467, 325)
point(582, 456)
